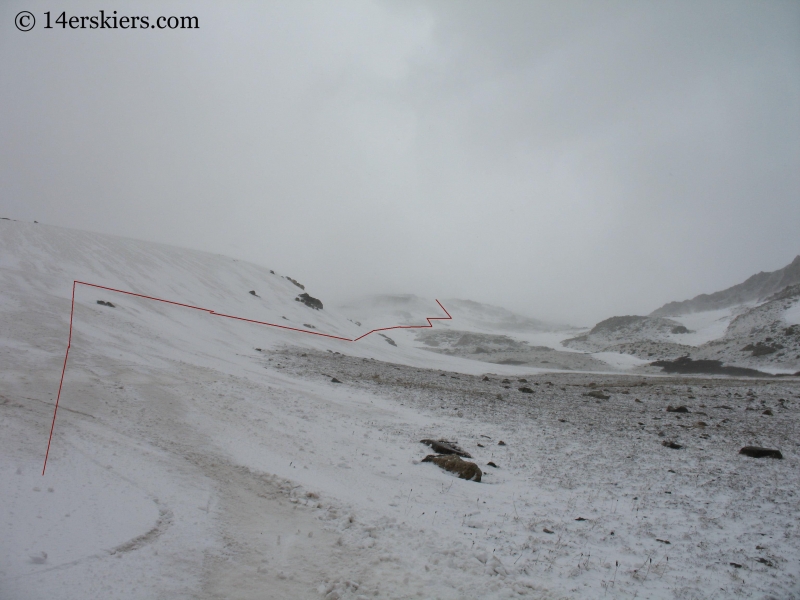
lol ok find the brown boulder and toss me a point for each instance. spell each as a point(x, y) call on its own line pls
point(454, 464)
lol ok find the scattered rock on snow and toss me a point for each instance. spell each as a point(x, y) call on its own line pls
point(756, 452)
point(297, 283)
point(767, 412)
point(501, 443)
point(253, 292)
point(671, 444)
point(526, 390)
point(491, 464)
point(455, 464)
point(388, 339)
point(104, 303)
point(334, 380)
point(309, 301)
point(445, 447)
point(597, 394)
point(677, 409)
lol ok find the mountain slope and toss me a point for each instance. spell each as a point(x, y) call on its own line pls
point(755, 288)
point(472, 316)
point(201, 457)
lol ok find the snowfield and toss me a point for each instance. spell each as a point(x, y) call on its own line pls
point(199, 457)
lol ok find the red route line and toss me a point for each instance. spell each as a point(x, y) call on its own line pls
point(216, 314)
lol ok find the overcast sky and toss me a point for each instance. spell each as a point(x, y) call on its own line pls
point(567, 160)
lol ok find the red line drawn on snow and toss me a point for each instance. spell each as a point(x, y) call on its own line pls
point(216, 314)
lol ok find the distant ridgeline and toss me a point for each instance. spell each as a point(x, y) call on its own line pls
point(757, 287)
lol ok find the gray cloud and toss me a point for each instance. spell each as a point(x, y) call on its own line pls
point(567, 160)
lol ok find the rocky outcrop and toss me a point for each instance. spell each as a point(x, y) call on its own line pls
point(445, 447)
point(626, 330)
point(297, 283)
point(309, 301)
point(685, 365)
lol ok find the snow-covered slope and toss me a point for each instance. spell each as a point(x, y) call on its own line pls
point(472, 316)
point(196, 456)
point(479, 332)
point(763, 337)
point(754, 335)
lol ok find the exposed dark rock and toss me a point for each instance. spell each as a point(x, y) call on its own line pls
point(526, 390)
point(334, 380)
point(756, 452)
point(258, 349)
point(765, 561)
point(685, 365)
point(297, 283)
point(677, 409)
point(253, 292)
point(597, 394)
point(309, 301)
point(546, 530)
point(501, 443)
point(388, 339)
point(485, 378)
point(767, 412)
point(680, 329)
point(762, 349)
point(454, 464)
point(445, 447)
point(670, 444)
point(491, 464)
point(104, 303)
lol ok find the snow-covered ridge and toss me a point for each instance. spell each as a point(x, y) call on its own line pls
point(754, 335)
point(472, 316)
point(755, 288)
